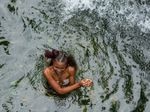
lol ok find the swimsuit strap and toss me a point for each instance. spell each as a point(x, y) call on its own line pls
point(65, 81)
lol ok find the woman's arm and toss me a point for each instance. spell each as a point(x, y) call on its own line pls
point(72, 73)
point(57, 87)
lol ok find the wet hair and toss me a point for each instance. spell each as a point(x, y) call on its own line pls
point(61, 56)
point(51, 54)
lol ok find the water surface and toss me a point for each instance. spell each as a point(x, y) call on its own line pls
point(109, 39)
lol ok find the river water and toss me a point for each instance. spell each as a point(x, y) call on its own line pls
point(110, 40)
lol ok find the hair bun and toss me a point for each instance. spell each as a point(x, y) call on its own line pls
point(51, 54)
point(55, 53)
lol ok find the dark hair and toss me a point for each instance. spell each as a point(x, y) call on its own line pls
point(51, 54)
point(61, 56)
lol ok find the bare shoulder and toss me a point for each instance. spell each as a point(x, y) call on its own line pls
point(47, 70)
point(71, 70)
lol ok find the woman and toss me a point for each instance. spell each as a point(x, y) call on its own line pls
point(60, 75)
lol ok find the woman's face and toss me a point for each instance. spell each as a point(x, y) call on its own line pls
point(59, 67)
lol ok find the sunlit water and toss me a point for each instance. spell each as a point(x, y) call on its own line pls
point(110, 40)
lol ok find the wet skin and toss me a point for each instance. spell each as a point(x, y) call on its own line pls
point(58, 72)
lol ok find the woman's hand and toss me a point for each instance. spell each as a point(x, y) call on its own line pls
point(86, 82)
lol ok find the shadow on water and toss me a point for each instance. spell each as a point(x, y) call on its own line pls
point(5, 44)
point(107, 42)
point(12, 7)
point(142, 101)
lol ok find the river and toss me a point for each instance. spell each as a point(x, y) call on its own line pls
point(110, 40)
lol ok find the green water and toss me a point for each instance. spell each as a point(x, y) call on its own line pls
point(109, 39)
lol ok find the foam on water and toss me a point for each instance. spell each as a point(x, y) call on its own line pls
point(134, 13)
point(109, 39)
point(72, 5)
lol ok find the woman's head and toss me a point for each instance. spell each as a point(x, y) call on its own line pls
point(60, 59)
point(60, 63)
